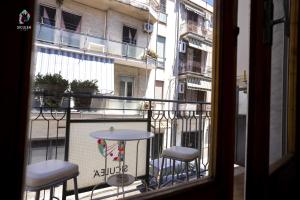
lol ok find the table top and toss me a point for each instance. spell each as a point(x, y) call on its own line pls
point(122, 135)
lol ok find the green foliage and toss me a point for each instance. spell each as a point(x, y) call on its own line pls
point(86, 86)
point(55, 80)
point(53, 86)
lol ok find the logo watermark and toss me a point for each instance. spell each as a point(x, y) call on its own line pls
point(24, 19)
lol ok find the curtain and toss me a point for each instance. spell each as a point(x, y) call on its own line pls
point(47, 15)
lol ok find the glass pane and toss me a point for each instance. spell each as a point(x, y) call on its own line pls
point(241, 98)
point(129, 89)
point(86, 65)
point(122, 88)
point(161, 46)
point(279, 93)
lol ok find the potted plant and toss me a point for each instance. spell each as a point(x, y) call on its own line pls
point(86, 88)
point(150, 53)
point(53, 86)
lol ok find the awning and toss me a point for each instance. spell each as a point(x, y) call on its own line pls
point(194, 83)
point(198, 44)
point(78, 66)
point(198, 12)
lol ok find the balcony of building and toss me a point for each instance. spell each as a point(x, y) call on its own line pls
point(189, 29)
point(63, 132)
point(122, 52)
point(140, 9)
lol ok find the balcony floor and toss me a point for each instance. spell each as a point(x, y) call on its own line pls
point(98, 193)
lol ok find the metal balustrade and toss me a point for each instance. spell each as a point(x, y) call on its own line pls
point(60, 37)
point(50, 132)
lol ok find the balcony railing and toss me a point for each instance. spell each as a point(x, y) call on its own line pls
point(60, 37)
point(63, 133)
point(192, 66)
point(190, 27)
point(144, 4)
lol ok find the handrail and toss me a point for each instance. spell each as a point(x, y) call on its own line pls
point(123, 98)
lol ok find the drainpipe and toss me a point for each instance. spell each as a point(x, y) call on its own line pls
point(177, 52)
point(105, 25)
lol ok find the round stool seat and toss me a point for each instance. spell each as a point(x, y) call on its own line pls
point(181, 153)
point(49, 172)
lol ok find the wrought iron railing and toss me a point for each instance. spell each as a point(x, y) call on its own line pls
point(51, 134)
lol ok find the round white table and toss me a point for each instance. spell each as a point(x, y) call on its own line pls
point(121, 135)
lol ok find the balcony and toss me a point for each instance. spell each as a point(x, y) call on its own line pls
point(123, 53)
point(191, 67)
point(140, 9)
point(189, 29)
point(63, 133)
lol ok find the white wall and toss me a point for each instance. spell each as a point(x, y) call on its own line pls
point(170, 32)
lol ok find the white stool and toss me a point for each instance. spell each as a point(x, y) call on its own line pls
point(49, 174)
point(184, 154)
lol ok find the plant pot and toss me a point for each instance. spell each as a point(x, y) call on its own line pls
point(52, 95)
point(85, 101)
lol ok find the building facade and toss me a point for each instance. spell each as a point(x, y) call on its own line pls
point(132, 48)
point(195, 51)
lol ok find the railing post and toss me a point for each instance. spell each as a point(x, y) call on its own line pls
point(149, 115)
point(126, 50)
point(67, 139)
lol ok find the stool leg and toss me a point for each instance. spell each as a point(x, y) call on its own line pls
point(161, 172)
point(187, 170)
point(37, 195)
point(197, 169)
point(51, 193)
point(75, 188)
point(173, 171)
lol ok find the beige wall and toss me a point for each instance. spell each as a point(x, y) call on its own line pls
point(115, 22)
point(139, 75)
point(92, 21)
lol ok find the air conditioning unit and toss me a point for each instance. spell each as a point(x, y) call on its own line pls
point(182, 47)
point(96, 47)
point(181, 88)
point(148, 27)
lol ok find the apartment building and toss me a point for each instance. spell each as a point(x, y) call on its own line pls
point(113, 42)
point(129, 47)
point(195, 51)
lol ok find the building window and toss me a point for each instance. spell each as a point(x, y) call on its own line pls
point(192, 17)
point(71, 21)
point(47, 15)
point(129, 35)
point(45, 31)
point(159, 89)
point(163, 6)
point(157, 143)
point(126, 86)
point(160, 49)
point(190, 139)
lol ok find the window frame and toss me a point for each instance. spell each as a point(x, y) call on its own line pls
point(73, 13)
point(126, 85)
point(51, 7)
